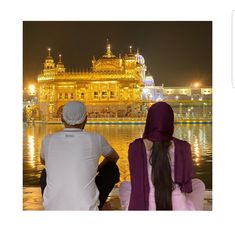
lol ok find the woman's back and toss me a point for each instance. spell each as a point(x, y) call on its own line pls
point(179, 199)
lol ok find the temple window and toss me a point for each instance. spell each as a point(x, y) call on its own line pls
point(66, 95)
point(60, 96)
point(112, 94)
point(95, 94)
point(71, 95)
point(104, 94)
point(82, 95)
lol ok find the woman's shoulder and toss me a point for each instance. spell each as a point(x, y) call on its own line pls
point(136, 144)
point(181, 142)
point(137, 141)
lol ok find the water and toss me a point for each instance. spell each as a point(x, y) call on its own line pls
point(119, 136)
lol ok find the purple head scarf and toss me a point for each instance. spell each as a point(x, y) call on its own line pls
point(159, 123)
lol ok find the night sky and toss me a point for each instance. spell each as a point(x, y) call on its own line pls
point(176, 53)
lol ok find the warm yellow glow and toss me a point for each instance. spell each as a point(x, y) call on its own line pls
point(196, 85)
point(32, 89)
point(197, 152)
point(104, 82)
point(31, 150)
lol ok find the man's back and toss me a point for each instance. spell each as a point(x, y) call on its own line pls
point(71, 159)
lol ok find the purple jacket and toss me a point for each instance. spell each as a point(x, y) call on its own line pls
point(183, 170)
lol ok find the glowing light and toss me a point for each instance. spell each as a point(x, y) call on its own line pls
point(32, 89)
point(197, 152)
point(146, 90)
point(49, 52)
point(196, 85)
point(31, 151)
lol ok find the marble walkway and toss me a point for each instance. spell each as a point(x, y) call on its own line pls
point(32, 199)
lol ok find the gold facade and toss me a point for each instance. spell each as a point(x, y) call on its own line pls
point(112, 88)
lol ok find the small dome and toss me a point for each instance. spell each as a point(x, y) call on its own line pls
point(140, 59)
point(149, 80)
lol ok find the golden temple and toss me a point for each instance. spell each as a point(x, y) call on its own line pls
point(112, 87)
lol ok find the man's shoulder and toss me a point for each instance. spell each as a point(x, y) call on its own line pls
point(51, 136)
point(94, 135)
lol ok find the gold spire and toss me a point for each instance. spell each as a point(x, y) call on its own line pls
point(109, 53)
point(60, 65)
point(130, 47)
point(137, 52)
point(60, 59)
point(49, 52)
point(108, 48)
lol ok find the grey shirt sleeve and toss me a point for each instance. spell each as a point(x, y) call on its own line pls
point(106, 148)
point(44, 146)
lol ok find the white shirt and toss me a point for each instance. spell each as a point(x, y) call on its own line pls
point(71, 160)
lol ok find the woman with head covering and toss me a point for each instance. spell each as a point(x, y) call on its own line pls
point(161, 168)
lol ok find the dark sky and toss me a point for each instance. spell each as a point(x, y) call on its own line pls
point(176, 53)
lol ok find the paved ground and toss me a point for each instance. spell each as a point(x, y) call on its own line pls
point(32, 199)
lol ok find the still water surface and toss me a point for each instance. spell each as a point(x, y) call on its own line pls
point(119, 136)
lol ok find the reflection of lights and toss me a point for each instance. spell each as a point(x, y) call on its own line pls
point(196, 152)
point(31, 150)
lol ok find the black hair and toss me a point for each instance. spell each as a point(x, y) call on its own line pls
point(161, 175)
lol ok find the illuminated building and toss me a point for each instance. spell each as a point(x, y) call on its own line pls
point(112, 88)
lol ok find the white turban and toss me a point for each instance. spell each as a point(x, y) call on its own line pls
point(74, 112)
